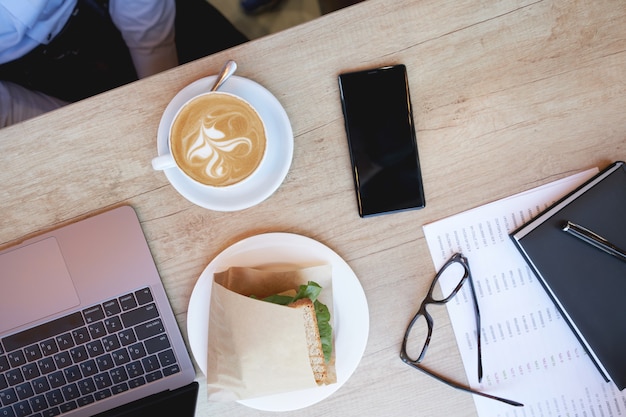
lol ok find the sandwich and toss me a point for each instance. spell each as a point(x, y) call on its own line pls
point(317, 325)
point(270, 332)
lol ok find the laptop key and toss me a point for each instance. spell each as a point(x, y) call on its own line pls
point(49, 347)
point(22, 409)
point(113, 324)
point(81, 335)
point(31, 371)
point(144, 296)
point(105, 362)
point(102, 394)
point(111, 343)
point(127, 336)
point(4, 363)
point(167, 358)
point(72, 374)
point(70, 392)
point(137, 351)
point(87, 386)
point(24, 391)
point(128, 302)
point(97, 330)
point(79, 354)
point(86, 400)
point(52, 412)
point(134, 369)
point(56, 379)
point(62, 360)
point(157, 344)
point(46, 365)
point(32, 352)
point(95, 348)
point(38, 403)
point(65, 341)
point(89, 368)
point(102, 381)
point(93, 314)
point(14, 377)
point(118, 375)
point(150, 363)
point(111, 308)
point(41, 385)
point(69, 406)
point(137, 382)
point(119, 388)
point(149, 329)
point(171, 370)
point(54, 397)
point(8, 396)
point(153, 376)
point(139, 315)
point(16, 358)
point(120, 356)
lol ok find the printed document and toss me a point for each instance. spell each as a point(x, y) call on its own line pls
point(529, 353)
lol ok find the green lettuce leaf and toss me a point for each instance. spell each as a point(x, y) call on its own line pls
point(311, 291)
point(279, 299)
point(326, 331)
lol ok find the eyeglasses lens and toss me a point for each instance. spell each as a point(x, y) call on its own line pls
point(416, 338)
point(450, 280)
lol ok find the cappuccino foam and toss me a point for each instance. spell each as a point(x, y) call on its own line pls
point(218, 139)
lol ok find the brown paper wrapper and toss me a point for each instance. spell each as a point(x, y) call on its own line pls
point(258, 348)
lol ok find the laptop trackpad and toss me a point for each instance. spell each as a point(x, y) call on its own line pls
point(35, 283)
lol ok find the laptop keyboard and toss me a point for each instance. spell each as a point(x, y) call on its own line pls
point(84, 357)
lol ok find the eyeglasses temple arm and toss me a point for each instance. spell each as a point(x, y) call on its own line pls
point(478, 327)
point(461, 387)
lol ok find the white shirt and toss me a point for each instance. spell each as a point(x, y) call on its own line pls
point(147, 27)
point(24, 24)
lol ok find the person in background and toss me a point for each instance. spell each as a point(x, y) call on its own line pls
point(54, 52)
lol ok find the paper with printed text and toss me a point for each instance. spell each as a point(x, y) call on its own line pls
point(529, 353)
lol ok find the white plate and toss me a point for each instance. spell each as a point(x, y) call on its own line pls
point(275, 166)
point(350, 311)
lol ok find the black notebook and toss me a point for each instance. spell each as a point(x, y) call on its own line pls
point(587, 285)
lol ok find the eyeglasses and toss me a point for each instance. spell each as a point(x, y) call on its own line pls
point(418, 334)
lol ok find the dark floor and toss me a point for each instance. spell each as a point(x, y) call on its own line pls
point(327, 6)
point(286, 14)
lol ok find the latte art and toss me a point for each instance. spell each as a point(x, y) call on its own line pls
point(215, 152)
point(218, 139)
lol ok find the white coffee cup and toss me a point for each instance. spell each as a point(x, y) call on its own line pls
point(216, 140)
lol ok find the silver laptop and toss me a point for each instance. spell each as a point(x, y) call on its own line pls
point(86, 326)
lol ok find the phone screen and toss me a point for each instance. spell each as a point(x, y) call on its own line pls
point(382, 141)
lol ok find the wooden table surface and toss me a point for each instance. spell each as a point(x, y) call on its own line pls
point(507, 95)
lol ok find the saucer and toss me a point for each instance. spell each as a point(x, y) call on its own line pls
point(286, 250)
point(272, 171)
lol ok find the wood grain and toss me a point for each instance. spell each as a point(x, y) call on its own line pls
point(508, 95)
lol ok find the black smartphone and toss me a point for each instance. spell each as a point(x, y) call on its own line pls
point(382, 141)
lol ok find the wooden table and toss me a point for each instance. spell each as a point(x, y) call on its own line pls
point(508, 95)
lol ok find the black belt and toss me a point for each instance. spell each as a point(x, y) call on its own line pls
point(87, 57)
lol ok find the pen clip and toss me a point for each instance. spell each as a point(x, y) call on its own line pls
point(593, 239)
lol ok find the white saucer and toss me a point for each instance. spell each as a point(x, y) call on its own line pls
point(275, 166)
point(350, 311)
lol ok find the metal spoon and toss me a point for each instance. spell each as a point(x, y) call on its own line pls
point(227, 70)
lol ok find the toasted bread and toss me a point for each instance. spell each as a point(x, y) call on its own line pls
point(316, 353)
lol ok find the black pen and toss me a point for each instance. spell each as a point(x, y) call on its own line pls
point(594, 239)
